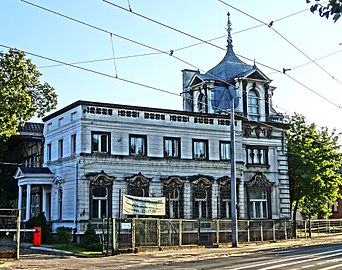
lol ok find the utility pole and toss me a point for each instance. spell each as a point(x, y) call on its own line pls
point(233, 175)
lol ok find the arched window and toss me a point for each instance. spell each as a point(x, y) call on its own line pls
point(253, 105)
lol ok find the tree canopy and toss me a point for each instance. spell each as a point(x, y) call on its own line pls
point(314, 160)
point(22, 95)
point(327, 9)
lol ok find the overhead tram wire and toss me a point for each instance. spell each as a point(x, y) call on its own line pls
point(152, 48)
point(179, 49)
point(206, 42)
point(106, 31)
point(103, 59)
point(308, 63)
point(244, 30)
point(283, 37)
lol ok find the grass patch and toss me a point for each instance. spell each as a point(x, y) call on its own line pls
point(75, 249)
point(2, 262)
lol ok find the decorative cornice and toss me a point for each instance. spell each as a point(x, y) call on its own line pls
point(259, 180)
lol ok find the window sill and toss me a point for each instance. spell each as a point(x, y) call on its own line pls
point(258, 165)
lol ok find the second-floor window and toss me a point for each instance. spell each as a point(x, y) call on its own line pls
point(137, 145)
point(200, 149)
point(100, 142)
point(253, 105)
point(172, 147)
point(60, 148)
point(224, 150)
point(48, 152)
point(257, 155)
point(73, 143)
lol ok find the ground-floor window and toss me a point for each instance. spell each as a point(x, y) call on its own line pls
point(225, 202)
point(99, 196)
point(173, 192)
point(258, 196)
point(258, 204)
point(202, 199)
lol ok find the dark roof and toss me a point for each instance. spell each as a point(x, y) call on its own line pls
point(35, 170)
point(229, 68)
point(31, 127)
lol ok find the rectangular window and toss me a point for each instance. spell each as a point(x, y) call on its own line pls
point(200, 149)
point(49, 127)
point(48, 152)
point(73, 143)
point(137, 145)
point(257, 155)
point(99, 202)
point(100, 142)
point(73, 116)
point(60, 148)
point(60, 121)
point(258, 205)
point(60, 203)
point(224, 150)
point(172, 147)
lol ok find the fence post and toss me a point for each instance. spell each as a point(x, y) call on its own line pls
point(248, 232)
point(274, 232)
point(133, 233)
point(261, 232)
point(18, 234)
point(217, 232)
point(180, 232)
point(199, 232)
point(310, 229)
point(329, 226)
point(158, 232)
point(113, 235)
point(305, 228)
point(285, 232)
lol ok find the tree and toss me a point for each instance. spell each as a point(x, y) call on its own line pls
point(332, 7)
point(314, 160)
point(22, 95)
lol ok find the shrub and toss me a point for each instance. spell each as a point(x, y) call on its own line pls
point(95, 247)
point(64, 234)
point(39, 221)
point(90, 236)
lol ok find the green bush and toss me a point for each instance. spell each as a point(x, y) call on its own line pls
point(39, 221)
point(95, 247)
point(90, 237)
point(64, 235)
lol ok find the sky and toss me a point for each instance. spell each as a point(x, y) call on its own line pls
point(95, 31)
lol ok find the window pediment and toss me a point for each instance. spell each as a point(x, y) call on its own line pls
point(138, 180)
point(259, 180)
point(100, 178)
point(201, 180)
point(173, 182)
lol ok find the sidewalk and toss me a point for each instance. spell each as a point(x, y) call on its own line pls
point(47, 258)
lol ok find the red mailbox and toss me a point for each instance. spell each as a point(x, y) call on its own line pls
point(37, 236)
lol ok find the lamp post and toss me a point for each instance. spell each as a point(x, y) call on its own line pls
point(233, 174)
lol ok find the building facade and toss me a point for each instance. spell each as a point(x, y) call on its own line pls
point(93, 152)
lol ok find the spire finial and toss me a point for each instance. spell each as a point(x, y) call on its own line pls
point(229, 30)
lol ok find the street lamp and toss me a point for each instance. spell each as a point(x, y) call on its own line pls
point(233, 173)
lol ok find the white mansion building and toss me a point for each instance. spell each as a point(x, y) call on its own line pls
point(94, 151)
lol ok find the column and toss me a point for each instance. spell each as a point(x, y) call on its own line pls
point(187, 200)
point(242, 199)
point(44, 201)
point(28, 202)
point(20, 197)
point(214, 197)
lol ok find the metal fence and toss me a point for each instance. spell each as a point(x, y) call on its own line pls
point(9, 232)
point(150, 232)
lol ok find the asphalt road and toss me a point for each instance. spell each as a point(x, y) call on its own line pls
point(319, 257)
point(319, 253)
